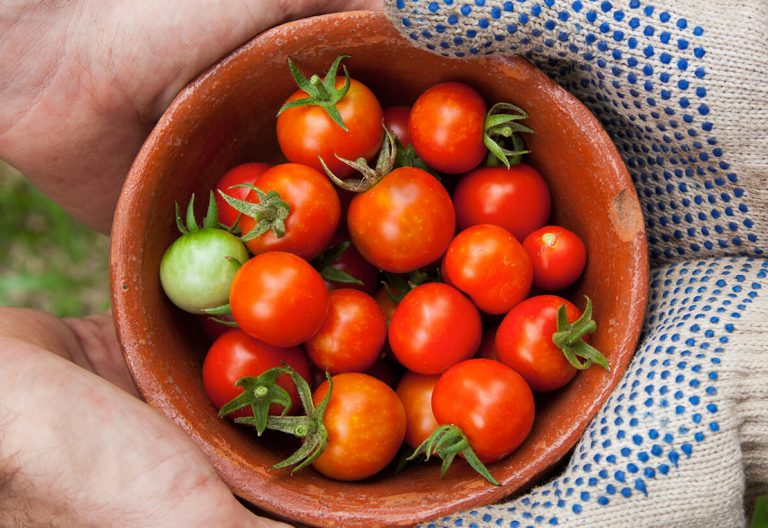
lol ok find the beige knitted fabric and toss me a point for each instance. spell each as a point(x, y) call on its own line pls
point(681, 87)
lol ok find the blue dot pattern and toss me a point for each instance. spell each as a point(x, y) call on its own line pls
point(642, 72)
point(666, 406)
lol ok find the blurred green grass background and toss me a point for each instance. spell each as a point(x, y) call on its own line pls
point(48, 260)
point(51, 262)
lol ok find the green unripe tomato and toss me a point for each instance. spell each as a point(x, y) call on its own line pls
point(197, 269)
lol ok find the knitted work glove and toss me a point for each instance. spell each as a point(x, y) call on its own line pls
point(681, 87)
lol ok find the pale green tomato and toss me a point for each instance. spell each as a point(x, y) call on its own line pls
point(199, 266)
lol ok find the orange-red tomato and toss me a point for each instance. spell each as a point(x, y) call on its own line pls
point(306, 132)
point(516, 199)
point(524, 342)
point(236, 355)
point(352, 336)
point(434, 327)
point(402, 223)
point(314, 211)
point(558, 256)
point(446, 127)
point(415, 391)
point(279, 298)
point(490, 402)
point(488, 263)
point(366, 426)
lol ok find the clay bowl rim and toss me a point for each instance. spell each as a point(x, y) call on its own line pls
point(126, 259)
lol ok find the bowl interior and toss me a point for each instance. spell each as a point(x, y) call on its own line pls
point(227, 116)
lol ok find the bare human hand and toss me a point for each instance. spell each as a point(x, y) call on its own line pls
point(83, 83)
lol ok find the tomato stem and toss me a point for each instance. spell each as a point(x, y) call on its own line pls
point(501, 123)
point(569, 338)
point(309, 427)
point(370, 175)
point(270, 212)
point(259, 393)
point(321, 92)
point(446, 441)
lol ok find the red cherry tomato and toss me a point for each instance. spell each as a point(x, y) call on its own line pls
point(366, 425)
point(314, 211)
point(446, 126)
point(279, 298)
point(306, 132)
point(402, 223)
point(490, 402)
point(558, 256)
point(434, 327)
point(352, 335)
point(488, 263)
point(516, 199)
point(396, 121)
point(524, 342)
point(236, 355)
point(415, 391)
point(243, 173)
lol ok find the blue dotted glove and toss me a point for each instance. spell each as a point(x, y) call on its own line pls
point(681, 87)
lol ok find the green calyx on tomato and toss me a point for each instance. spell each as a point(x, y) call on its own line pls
point(310, 427)
point(269, 213)
point(447, 441)
point(397, 286)
point(569, 339)
point(321, 92)
point(501, 134)
point(211, 220)
point(370, 175)
point(198, 267)
point(259, 393)
point(323, 263)
point(407, 157)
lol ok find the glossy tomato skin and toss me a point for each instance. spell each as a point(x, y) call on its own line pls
point(236, 355)
point(352, 336)
point(306, 132)
point(524, 342)
point(245, 173)
point(366, 426)
point(314, 215)
point(516, 199)
point(402, 223)
point(434, 327)
point(396, 121)
point(446, 126)
point(279, 298)
point(488, 263)
point(558, 256)
point(197, 269)
point(415, 391)
point(490, 402)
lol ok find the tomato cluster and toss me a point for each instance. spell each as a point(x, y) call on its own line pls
point(425, 310)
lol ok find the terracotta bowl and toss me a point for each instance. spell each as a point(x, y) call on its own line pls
point(226, 116)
